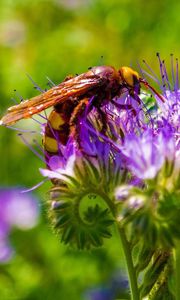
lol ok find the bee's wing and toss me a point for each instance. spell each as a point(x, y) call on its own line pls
point(74, 87)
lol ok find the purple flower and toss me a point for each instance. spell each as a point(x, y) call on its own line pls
point(135, 202)
point(94, 147)
point(147, 152)
point(123, 192)
point(57, 170)
point(168, 110)
point(16, 210)
point(100, 293)
point(6, 251)
point(116, 287)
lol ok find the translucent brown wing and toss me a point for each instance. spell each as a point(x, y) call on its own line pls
point(74, 87)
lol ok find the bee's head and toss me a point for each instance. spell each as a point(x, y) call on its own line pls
point(130, 79)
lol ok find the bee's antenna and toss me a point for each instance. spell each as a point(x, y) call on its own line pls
point(50, 83)
point(146, 84)
point(30, 147)
point(37, 87)
point(14, 101)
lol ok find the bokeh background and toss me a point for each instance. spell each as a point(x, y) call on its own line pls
point(53, 39)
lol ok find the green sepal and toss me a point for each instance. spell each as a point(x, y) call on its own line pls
point(61, 221)
point(144, 257)
point(67, 234)
point(166, 236)
point(153, 272)
point(163, 293)
point(61, 205)
point(81, 221)
point(81, 239)
point(105, 232)
point(95, 239)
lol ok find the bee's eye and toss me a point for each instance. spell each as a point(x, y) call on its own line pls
point(129, 76)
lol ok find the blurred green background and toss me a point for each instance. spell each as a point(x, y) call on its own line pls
point(54, 39)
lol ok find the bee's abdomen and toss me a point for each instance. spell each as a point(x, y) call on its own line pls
point(53, 137)
point(57, 129)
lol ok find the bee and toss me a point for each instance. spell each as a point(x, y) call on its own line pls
point(69, 99)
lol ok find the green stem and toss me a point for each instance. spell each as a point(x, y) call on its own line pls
point(177, 269)
point(127, 251)
point(130, 266)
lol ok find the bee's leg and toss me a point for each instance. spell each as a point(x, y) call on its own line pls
point(103, 119)
point(73, 123)
point(125, 107)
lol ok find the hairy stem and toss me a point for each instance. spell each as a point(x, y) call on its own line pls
point(130, 265)
point(127, 252)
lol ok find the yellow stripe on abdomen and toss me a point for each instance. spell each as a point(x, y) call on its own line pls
point(56, 120)
point(50, 144)
point(56, 130)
